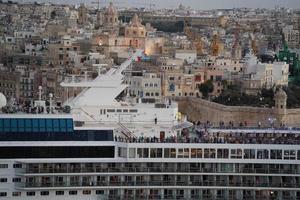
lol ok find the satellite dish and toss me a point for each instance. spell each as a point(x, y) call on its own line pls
point(3, 100)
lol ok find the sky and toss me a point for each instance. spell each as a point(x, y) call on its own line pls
point(197, 4)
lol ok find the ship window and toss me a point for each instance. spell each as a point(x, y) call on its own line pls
point(122, 152)
point(17, 165)
point(6, 124)
point(276, 154)
point(16, 194)
point(42, 123)
point(289, 155)
point(133, 111)
point(222, 153)
point(44, 193)
point(16, 180)
point(35, 125)
point(298, 155)
point(30, 193)
point(3, 194)
point(73, 192)
point(170, 153)
point(180, 153)
point(86, 192)
point(99, 192)
point(143, 152)
point(262, 154)
point(110, 110)
point(14, 125)
point(249, 153)
point(209, 153)
point(132, 153)
point(183, 153)
point(119, 110)
point(2, 166)
point(59, 192)
point(63, 125)
point(125, 110)
point(55, 125)
point(186, 153)
point(69, 125)
point(236, 153)
point(155, 153)
point(49, 125)
point(3, 180)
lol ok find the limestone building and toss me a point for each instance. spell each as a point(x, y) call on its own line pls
point(110, 40)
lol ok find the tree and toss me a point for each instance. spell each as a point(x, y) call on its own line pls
point(206, 88)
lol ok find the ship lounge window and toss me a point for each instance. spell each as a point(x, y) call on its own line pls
point(183, 153)
point(132, 153)
point(110, 110)
point(156, 153)
point(133, 111)
point(125, 111)
point(236, 153)
point(289, 155)
point(249, 153)
point(170, 153)
point(209, 153)
point(262, 154)
point(276, 154)
point(122, 152)
point(222, 153)
point(143, 152)
point(119, 110)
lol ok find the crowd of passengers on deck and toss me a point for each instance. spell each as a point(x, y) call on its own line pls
point(199, 135)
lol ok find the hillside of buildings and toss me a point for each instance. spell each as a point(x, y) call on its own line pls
point(232, 56)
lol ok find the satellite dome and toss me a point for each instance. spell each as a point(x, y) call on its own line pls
point(3, 100)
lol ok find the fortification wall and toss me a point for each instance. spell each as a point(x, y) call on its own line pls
point(201, 110)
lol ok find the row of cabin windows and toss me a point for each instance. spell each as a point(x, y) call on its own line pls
point(4, 166)
point(274, 154)
point(46, 193)
point(103, 111)
point(15, 180)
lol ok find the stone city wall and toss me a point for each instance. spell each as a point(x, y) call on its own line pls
point(201, 110)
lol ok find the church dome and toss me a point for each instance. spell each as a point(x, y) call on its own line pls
point(111, 10)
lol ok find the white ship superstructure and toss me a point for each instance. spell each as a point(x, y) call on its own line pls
point(112, 146)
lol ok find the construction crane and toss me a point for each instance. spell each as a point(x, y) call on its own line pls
point(195, 38)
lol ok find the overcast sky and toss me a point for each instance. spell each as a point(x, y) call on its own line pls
point(209, 4)
point(197, 4)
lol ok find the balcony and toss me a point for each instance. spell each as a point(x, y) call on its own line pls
point(152, 170)
point(155, 183)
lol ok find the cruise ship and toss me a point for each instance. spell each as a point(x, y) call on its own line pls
point(108, 145)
